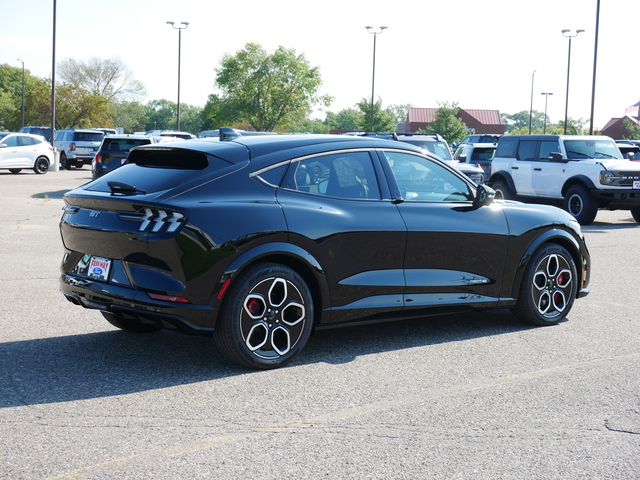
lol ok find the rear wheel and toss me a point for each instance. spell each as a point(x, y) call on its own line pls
point(635, 213)
point(548, 288)
point(63, 161)
point(15, 170)
point(503, 192)
point(41, 166)
point(581, 204)
point(130, 324)
point(267, 317)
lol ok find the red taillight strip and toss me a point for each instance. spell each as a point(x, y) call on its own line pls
point(168, 298)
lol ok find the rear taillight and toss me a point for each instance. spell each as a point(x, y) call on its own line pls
point(72, 147)
point(97, 159)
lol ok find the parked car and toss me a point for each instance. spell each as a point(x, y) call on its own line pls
point(42, 131)
point(77, 147)
point(246, 133)
point(23, 150)
point(114, 150)
point(579, 173)
point(629, 149)
point(170, 134)
point(234, 239)
point(106, 131)
point(477, 153)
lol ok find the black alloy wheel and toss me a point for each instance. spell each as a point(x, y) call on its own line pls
point(266, 318)
point(581, 204)
point(635, 213)
point(549, 286)
point(41, 166)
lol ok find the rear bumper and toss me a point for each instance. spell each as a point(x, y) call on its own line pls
point(184, 318)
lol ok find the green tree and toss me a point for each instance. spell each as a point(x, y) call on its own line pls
point(131, 116)
point(447, 124)
point(632, 129)
point(160, 115)
point(78, 108)
point(37, 98)
point(520, 122)
point(384, 120)
point(267, 91)
point(346, 119)
point(400, 112)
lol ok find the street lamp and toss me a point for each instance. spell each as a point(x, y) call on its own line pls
point(180, 27)
point(546, 97)
point(567, 34)
point(22, 91)
point(531, 107)
point(373, 77)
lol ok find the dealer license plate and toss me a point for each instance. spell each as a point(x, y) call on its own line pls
point(636, 184)
point(99, 268)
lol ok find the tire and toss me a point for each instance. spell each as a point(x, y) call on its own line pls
point(63, 161)
point(503, 192)
point(635, 213)
point(581, 204)
point(266, 318)
point(548, 287)
point(130, 324)
point(41, 166)
point(15, 171)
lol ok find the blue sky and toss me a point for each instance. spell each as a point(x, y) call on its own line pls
point(479, 54)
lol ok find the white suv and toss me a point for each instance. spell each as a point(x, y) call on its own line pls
point(580, 173)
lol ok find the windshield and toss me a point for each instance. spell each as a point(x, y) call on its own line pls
point(591, 148)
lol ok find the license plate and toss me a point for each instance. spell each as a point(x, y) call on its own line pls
point(636, 184)
point(99, 268)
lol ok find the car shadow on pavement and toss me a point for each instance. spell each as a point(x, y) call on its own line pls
point(57, 195)
point(103, 364)
point(343, 345)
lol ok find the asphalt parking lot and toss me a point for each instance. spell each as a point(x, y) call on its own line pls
point(477, 396)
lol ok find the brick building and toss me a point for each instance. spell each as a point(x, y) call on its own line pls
point(478, 121)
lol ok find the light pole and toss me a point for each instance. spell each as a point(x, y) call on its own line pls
point(180, 27)
point(546, 97)
point(22, 91)
point(373, 77)
point(531, 107)
point(567, 34)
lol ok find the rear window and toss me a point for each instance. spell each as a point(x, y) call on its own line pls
point(88, 137)
point(174, 158)
point(481, 153)
point(123, 144)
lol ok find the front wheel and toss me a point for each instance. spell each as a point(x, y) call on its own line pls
point(581, 204)
point(41, 166)
point(15, 171)
point(130, 324)
point(635, 213)
point(548, 287)
point(266, 318)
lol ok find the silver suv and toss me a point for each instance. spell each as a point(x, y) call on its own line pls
point(580, 173)
point(77, 147)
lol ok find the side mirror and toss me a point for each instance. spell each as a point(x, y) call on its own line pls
point(462, 158)
point(484, 196)
point(3, 145)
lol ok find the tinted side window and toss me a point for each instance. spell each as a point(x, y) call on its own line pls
point(507, 147)
point(24, 141)
point(343, 175)
point(527, 150)
point(11, 142)
point(546, 149)
point(424, 180)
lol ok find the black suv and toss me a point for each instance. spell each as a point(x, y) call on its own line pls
point(114, 151)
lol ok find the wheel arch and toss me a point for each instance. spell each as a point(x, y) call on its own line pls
point(557, 236)
point(505, 177)
point(581, 180)
point(292, 256)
